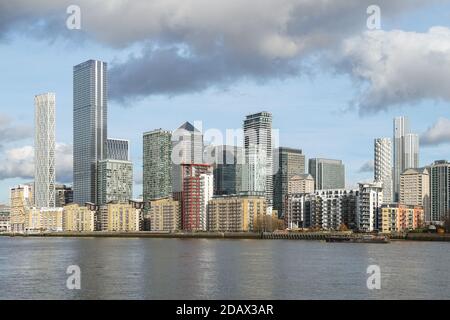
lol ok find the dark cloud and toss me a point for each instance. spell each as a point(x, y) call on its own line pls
point(438, 133)
point(10, 132)
point(367, 167)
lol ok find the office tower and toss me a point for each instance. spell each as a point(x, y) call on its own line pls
point(440, 190)
point(21, 198)
point(89, 127)
point(235, 213)
point(291, 162)
point(115, 181)
point(370, 201)
point(192, 190)
point(411, 151)
point(44, 151)
point(64, 195)
point(401, 218)
point(117, 149)
point(258, 141)
point(383, 166)
point(187, 143)
point(327, 173)
point(227, 165)
point(157, 169)
point(323, 209)
point(164, 215)
point(415, 189)
point(303, 183)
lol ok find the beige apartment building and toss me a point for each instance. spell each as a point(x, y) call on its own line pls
point(121, 217)
point(44, 220)
point(164, 215)
point(301, 184)
point(415, 189)
point(235, 213)
point(78, 219)
point(21, 199)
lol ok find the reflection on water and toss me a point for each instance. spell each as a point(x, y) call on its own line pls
point(32, 268)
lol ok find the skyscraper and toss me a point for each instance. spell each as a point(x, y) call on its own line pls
point(411, 151)
point(327, 173)
point(117, 149)
point(44, 151)
point(187, 145)
point(440, 190)
point(157, 170)
point(258, 139)
point(401, 128)
point(227, 169)
point(89, 127)
point(383, 166)
point(291, 162)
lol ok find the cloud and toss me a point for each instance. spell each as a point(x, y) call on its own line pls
point(10, 132)
point(438, 133)
point(192, 45)
point(394, 68)
point(367, 167)
point(19, 163)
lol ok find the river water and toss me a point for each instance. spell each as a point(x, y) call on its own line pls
point(118, 268)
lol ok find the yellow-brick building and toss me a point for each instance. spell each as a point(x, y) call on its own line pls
point(164, 215)
point(79, 219)
point(401, 218)
point(122, 217)
point(21, 199)
point(235, 213)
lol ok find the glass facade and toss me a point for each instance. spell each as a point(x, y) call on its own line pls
point(89, 127)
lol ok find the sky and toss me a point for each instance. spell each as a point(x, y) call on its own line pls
point(331, 83)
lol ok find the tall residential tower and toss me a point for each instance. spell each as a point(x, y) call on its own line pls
point(44, 151)
point(383, 166)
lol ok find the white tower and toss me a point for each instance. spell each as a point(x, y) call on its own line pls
point(44, 151)
point(383, 166)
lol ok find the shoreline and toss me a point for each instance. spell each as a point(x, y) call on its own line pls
point(226, 235)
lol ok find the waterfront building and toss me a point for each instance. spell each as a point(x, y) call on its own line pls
point(415, 189)
point(164, 215)
point(324, 209)
point(303, 183)
point(440, 190)
point(383, 166)
point(89, 127)
point(157, 164)
point(5, 221)
point(79, 219)
point(44, 220)
point(400, 218)
point(21, 199)
point(235, 213)
point(370, 201)
point(64, 195)
point(121, 217)
point(193, 189)
point(258, 147)
point(291, 162)
point(44, 150)
point(115, 181)
point(117, 149)
point(327, 173)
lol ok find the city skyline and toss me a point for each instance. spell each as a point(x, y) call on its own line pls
point(308, 110)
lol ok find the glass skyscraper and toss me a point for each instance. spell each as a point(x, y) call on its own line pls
point(89, 127)
point(327, 173)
